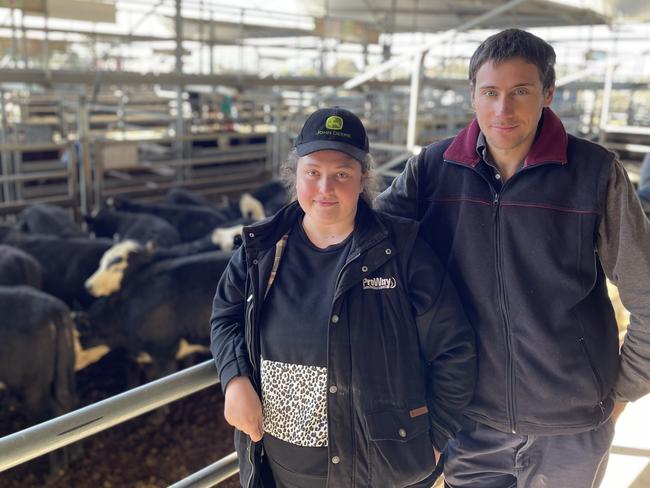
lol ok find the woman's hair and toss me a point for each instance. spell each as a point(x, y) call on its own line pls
point(368, 179)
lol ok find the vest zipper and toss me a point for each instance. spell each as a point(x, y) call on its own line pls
point(501, 291)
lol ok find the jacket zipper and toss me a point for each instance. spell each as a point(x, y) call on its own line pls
point(250, 318)
point(338, 277)
point(251, 454)
point(510, 403)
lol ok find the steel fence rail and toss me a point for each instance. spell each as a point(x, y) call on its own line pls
point(48, 436)
point(211, 475)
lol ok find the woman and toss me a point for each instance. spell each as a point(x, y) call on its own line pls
point(344, 354)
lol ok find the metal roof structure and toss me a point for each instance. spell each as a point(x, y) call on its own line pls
point(440, 15)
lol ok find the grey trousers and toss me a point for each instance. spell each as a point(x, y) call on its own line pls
point(482, 457)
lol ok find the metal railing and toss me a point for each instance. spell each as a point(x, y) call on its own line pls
point(61, 431)
point(14, 198)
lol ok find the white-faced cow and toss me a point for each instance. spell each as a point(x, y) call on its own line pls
point(66, 263)
point(152, 308)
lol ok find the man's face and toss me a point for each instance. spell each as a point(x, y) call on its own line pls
point(508, 99)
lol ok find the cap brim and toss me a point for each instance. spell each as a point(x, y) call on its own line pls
point(313, 146)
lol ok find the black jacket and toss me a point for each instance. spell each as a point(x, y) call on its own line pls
point(400, 351)
point(525, 264)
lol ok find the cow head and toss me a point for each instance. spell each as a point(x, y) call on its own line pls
point(251, 207)
point(116, 264)
point(227, 238)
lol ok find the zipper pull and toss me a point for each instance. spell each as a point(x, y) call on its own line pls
point(496, 199)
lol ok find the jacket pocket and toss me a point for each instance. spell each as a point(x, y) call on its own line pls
point(400, 452)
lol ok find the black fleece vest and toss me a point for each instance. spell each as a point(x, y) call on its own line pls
point(525, 264)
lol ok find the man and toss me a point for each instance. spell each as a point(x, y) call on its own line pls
point(529, 220)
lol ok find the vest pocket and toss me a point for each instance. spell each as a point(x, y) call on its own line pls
point(400, 452)
point(594, 374)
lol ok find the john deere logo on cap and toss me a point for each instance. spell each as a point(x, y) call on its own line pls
point(334, 122)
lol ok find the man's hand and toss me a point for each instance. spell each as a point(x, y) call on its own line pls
point(618, 410)
point(242, 407)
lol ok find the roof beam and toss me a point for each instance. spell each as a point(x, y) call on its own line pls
point(445, 36)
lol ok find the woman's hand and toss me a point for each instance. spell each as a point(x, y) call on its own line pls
point(243, 409)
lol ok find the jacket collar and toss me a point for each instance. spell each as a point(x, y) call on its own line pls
point(550, 145)
point(368, 229)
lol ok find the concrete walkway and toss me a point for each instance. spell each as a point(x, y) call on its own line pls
point(629, 462)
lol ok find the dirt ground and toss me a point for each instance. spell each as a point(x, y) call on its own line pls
point(141, 453)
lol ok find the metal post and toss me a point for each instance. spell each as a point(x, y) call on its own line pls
point(414, 100)
point(73, 178)
point(179, 90)
point(6, 155)
point(24, 41)
point(14, 46)
point(212, 46)
point(17, 161)
point(46, 39)
point(607, 93)
point(85, 177)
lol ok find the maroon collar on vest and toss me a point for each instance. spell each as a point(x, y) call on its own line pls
point(550, 146)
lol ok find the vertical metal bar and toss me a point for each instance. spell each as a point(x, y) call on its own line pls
point(73, 180)
point(17, 161)
point(179, 90)
point(24, 40)
point(607, 93)
point(6, 156)
point(414, 100)
point(14, 46)
point(98, 180)
point(46, 40)
point(85, 177)
point(211, 58)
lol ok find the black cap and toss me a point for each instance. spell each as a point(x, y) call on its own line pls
point(336, 129)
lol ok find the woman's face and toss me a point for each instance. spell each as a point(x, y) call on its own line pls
point(328, 184)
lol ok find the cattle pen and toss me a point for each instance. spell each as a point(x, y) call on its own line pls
point(62, 431)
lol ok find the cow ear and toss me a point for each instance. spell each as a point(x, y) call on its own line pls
point(150, 247)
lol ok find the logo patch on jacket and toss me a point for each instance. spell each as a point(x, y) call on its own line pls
point(379, 283)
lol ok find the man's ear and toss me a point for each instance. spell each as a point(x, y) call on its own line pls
point(549, 93)
point(471, 96)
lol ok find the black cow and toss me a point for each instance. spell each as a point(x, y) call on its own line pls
point(156, 306)
point(195, 222)
point(142, 228)
point(43, 218)
point(191, 222)
point(272, 195)
point(37, 356)
point(19, 268)
point(182, 196)
point(66, 263)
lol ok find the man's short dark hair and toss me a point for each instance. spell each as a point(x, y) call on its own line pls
point(515, 43)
